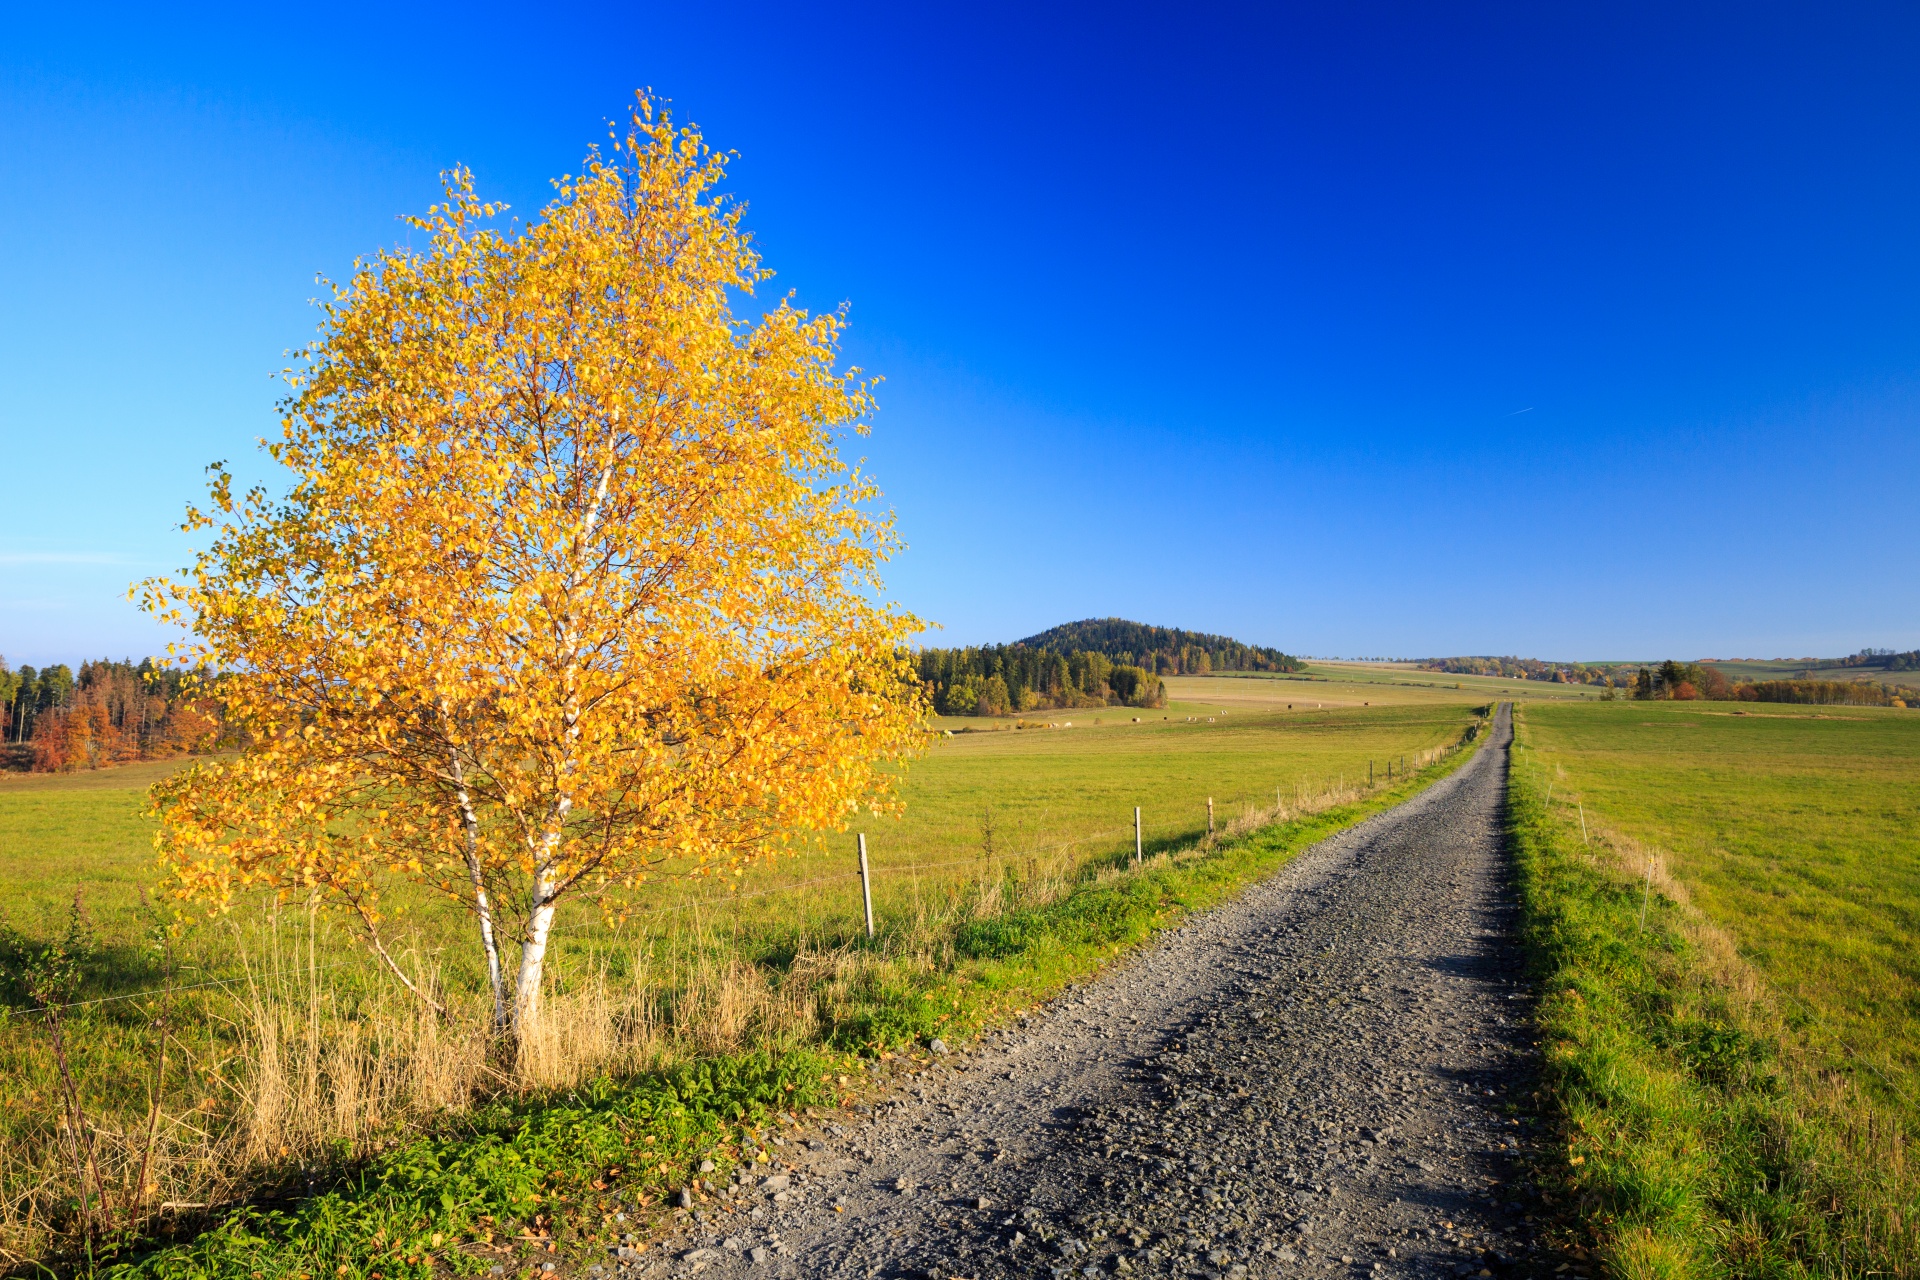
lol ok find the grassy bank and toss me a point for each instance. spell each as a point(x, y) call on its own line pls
point(1716, 1122)
point(310, 1063)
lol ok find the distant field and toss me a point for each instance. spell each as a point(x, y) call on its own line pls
point(1056, 784)
point(1024, 792)
point(1795, 829)
point(1322, 686)
point(87, 832)
point(1402, 677)
point(1814, 669)
point(1540, 690)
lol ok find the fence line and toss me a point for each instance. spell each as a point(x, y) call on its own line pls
point(1425, 758)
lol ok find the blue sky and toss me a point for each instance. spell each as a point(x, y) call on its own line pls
point(1574, 332)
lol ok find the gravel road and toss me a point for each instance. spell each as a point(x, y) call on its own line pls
point(1312, 1079)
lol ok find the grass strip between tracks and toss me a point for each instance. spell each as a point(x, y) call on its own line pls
point(523, 1183)
point(1697, 1143)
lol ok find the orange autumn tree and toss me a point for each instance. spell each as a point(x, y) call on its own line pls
point(570, 587)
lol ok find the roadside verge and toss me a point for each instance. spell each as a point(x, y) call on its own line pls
point(1694, 1142)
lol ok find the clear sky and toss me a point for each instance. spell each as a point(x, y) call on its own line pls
point(1567, 331)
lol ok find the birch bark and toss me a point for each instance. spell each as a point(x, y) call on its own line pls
point(546, 879)
point(482, 904)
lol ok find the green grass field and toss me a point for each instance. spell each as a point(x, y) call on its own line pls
point(1018, 792)
point(86, 832)
point(1013, 835)
point(1721, 907)
point(1795, 829)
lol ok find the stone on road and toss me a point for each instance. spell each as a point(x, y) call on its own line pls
point(1313, 1079)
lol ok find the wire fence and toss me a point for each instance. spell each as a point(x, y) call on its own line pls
point(1304, 800)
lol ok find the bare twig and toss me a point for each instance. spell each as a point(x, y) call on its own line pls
point(379, 948)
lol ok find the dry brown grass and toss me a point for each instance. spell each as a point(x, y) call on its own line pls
point(305, 1060)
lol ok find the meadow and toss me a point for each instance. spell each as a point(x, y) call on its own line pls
point(1406, 680)
point(1723, 904)
point(1796, 831)
point(1350, 683)
point(1814, 669)
point(288, 1052)
point(991, 792)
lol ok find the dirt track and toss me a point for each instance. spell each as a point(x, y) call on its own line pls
point(1310, 1080)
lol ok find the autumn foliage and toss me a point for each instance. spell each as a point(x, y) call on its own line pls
point(571, 589)
point(112, 713)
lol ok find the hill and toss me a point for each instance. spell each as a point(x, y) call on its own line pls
point(1161, 650)
point(1095, 663)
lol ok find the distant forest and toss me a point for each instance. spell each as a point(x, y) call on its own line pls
point(1533, 669)
point(1096, 663)
point(1684, 681)
point(1884, 659)
point(52, 720)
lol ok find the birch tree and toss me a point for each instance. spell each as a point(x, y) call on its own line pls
point(569, 588)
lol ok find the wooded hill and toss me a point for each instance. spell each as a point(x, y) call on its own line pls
point(1096, 663)
point(1165, 651)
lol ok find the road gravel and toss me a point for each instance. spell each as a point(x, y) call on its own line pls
point(1321, 1077)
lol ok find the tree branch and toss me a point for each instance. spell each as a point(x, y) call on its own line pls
point(379, 948)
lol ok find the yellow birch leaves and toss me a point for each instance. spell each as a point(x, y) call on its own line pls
point(570, 580)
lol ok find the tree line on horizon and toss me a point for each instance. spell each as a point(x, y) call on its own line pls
point(1690, 681)
point(1683, 681)
point(999, 680)
point(53, 720)
point(1888, 660)
point(1679, 682)
point(1511, 668)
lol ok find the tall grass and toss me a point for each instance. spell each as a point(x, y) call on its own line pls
point(1704, 1137)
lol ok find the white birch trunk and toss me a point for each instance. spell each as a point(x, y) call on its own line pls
point(533, 948)
point(496, 981)
point(482, 902)
point(533, 959)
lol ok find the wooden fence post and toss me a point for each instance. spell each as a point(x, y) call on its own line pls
point(866, 884)
point(1136, 835)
